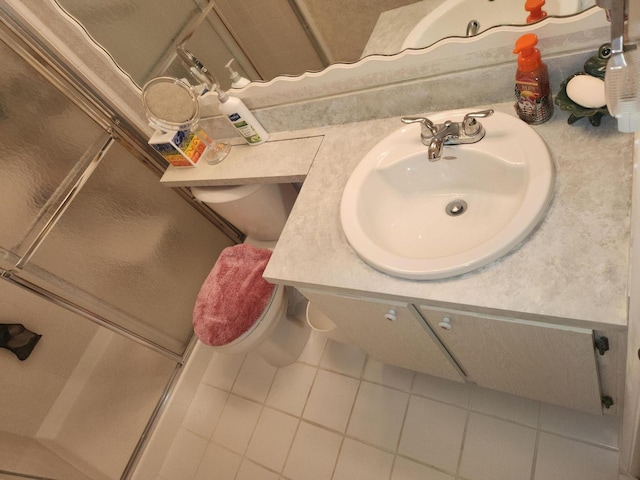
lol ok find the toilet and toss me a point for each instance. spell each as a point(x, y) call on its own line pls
point(280, 331)
point(258, 210)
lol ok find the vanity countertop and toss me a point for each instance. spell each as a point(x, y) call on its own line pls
point(572, 269)
point(285, 158)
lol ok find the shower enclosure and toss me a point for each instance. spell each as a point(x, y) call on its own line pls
point(98, 258)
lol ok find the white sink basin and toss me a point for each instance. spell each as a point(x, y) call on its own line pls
point(398, 209)
point(452, 17)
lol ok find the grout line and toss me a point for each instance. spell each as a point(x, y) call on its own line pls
point(300, 418)
point(464, 437)
point(537, 443)
point(404, 420)
point(394, 451)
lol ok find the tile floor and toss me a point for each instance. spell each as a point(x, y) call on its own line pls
point(337, 414)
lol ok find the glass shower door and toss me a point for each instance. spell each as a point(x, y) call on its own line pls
point(85, 220)
point(130, 250)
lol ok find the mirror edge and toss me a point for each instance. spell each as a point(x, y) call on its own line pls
point(492, 47)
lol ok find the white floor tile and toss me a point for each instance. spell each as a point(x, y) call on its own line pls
point(433, 433)
point(358, 460)
point(184, 456)
point(272, 439)
point(222, 370)
point(443, 390)
point(237, 423)
point(313, 454)
point(561, 458)
point(219, 461)
point(312, 351)
point(254, 379)
point(291, 387)
point(597, 429)
point(251, 471)
point(510, 407)
point(331, 400)
point(495, 449)
point(344, 358)
point(378, 415)
point(405, 469)
point(205, 410)
point(378, 372)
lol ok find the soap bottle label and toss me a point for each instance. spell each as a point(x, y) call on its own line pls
point(533, 105)
point(246, 130)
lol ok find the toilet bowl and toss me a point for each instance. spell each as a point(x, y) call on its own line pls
point(260, 211)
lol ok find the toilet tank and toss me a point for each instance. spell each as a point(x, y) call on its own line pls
point(259, 210)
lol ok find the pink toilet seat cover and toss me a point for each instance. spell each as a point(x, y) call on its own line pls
point(233, 296)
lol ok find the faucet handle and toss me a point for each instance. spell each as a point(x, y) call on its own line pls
point(426, 125)
point(470, 125)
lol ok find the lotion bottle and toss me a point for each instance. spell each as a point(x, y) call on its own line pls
point(237, 80)
point(534, 103)
point(242, 119)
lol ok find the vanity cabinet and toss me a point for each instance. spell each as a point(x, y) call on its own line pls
point(552, 363)
point(391, 332)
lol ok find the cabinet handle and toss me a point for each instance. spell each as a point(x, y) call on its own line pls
point(445, 323)
point(391, 315)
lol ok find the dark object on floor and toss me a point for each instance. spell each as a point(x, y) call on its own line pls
point(15, 337)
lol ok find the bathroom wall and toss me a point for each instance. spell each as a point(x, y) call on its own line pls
point(277, 44)
point(345, 27)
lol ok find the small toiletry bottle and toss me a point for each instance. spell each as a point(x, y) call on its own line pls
point(534, 103)
point(237, 80)
point(242, 119)
point(534, 7)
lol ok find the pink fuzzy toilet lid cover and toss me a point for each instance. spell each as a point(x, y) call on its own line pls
point(233, 296)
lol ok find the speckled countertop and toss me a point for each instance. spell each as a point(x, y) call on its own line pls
point(573, 269)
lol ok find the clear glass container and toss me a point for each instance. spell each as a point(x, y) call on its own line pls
point(174, 111)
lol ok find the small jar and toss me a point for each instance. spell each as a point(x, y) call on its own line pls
point(174, 111)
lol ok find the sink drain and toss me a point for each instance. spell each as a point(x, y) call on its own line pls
point(456, 208)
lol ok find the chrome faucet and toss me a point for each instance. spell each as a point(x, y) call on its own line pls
point(435, 136)
point(473, 27)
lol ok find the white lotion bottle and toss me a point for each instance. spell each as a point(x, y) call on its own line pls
point(237, 80)
point(242, 119)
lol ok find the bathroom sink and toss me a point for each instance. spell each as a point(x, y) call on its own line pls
point(422, 220)
point(452, 17)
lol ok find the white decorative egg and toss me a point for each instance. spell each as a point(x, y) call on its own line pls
point(586, 91)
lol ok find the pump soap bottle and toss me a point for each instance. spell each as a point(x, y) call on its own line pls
point(534, 103)
point(534, 7)
point(241, 118)
point(237, 80)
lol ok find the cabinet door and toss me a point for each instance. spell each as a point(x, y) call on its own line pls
point(551, 363)
point(389, 331)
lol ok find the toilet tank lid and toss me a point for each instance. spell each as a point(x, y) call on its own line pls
point(225, 193)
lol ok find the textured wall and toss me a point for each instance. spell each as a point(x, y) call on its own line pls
point(346, 26)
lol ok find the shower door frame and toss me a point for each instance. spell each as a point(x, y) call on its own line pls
point(29, 45)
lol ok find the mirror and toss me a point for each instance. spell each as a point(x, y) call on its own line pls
point(268, 38)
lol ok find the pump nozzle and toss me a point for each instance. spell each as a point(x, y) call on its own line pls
point(528, 55)
point(237, 80)
point(534, 7)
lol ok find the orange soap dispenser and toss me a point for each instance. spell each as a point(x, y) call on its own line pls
point(534, 103)
point(534, 7)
